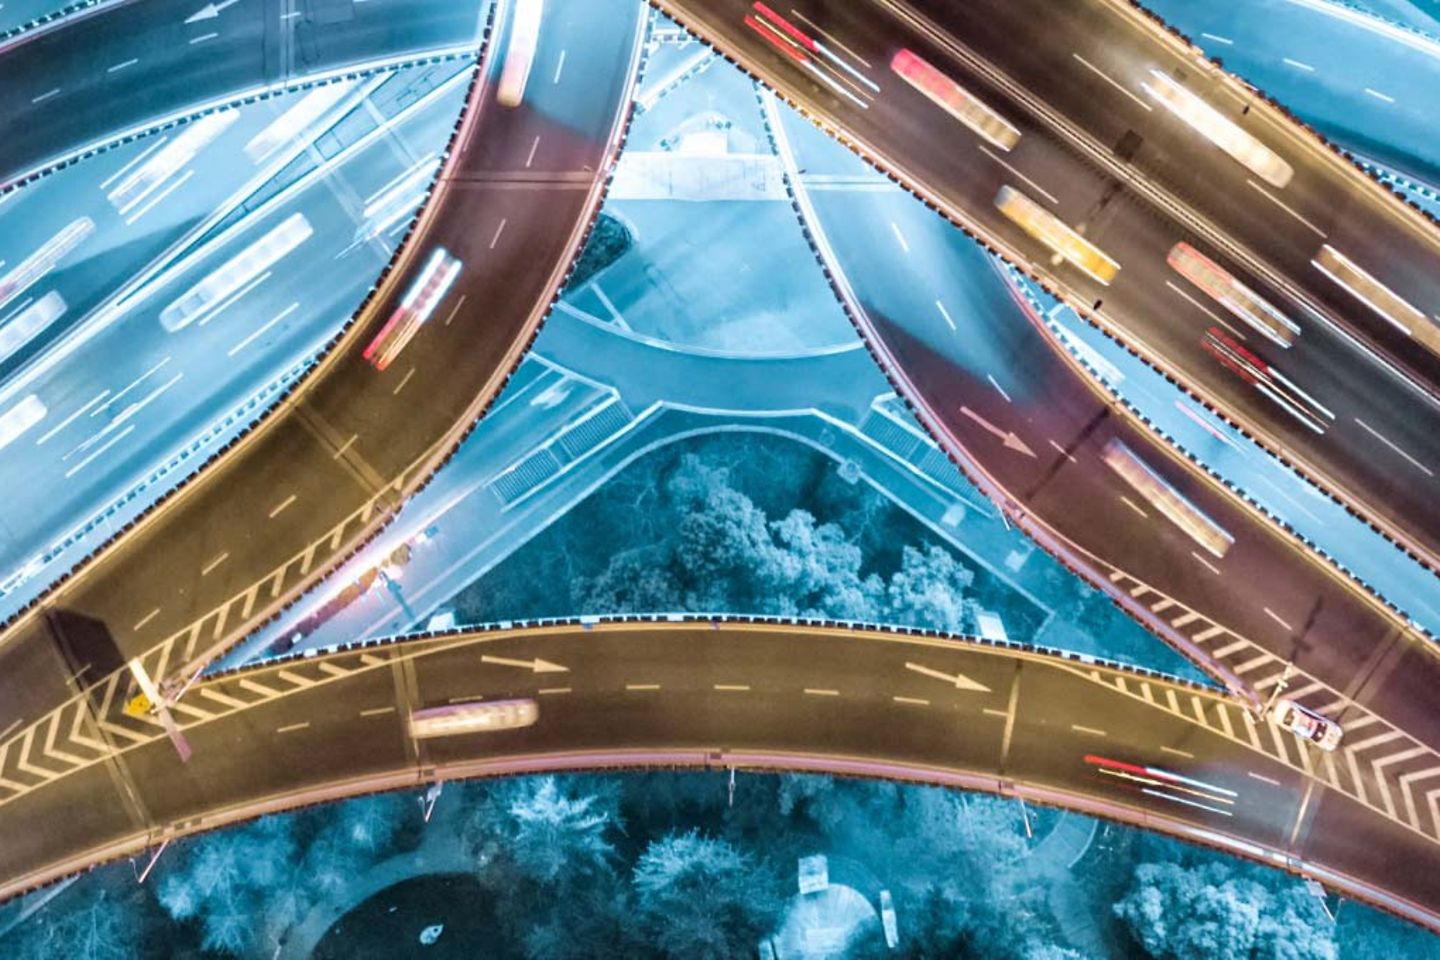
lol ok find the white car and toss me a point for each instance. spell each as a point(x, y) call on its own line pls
point(1307, 724)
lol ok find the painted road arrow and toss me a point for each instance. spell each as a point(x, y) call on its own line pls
point(1008, 437)
point(537, 666)
point(960, 681)
point(210, 11)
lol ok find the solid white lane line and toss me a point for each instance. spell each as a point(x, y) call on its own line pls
point(946, 314)
point(1206, 310)
point(996, 384)
point(819, 692)
point(1218, 39)
point(1287, 208)
point(1297, 64)
point(154, 201)
point(834, 84)
point(1386, 440)
point(1276, 617)
point(290, 727)
point(811, 24)
point(533, 147)
point(121, 66)
point(376, 711)
point(280, 507)
point(1107, 78)
point(1189, 803)
point(1011, 167)
point(1380, 96)
point(98, 450)
point(1200, 421)
point(1090, 730)
point(559, 67)
point(215, 563)
point(146, 619)
point(105, 184)
point(72, 418)
point(498, 230)
point(1207, 564)
point(1262, 778)
point(260, 331)
point(899, 237)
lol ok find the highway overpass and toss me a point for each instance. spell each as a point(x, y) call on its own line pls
point(1033, 432)
point(327, 469)
point(724, 693)
point(119, 69)
point(1099, 152)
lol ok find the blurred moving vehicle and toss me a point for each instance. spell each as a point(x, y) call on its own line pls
point(1307, 724)
point(1053, 232)
point(1161, 495)
point(477, 716)
point(20, 418)
point(419, 302)
point(1265, 378)
point(1392, 307)
point(34, 267)
point(237, 276)
point(954, 100)
point(520, 52)
point(1233, 295)
point(1220, 130)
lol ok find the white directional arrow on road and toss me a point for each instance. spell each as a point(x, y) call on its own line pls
point(1009, 438)
point(210, 11)
point(960, 681)
point(537, 666)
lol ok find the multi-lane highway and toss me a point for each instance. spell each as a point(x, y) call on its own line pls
point(325, 471)
point(320, 476)
point(1036, 436)
point(1133, 746)
point(121, 392)
point(1364, 81)
point(114, 68)
point(1100, 152)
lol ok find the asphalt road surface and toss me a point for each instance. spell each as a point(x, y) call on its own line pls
point(1262, 605)
point(222, 554)
point(124, 395)
point(121, 65)
point(1096, 151)
point(717, 695)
